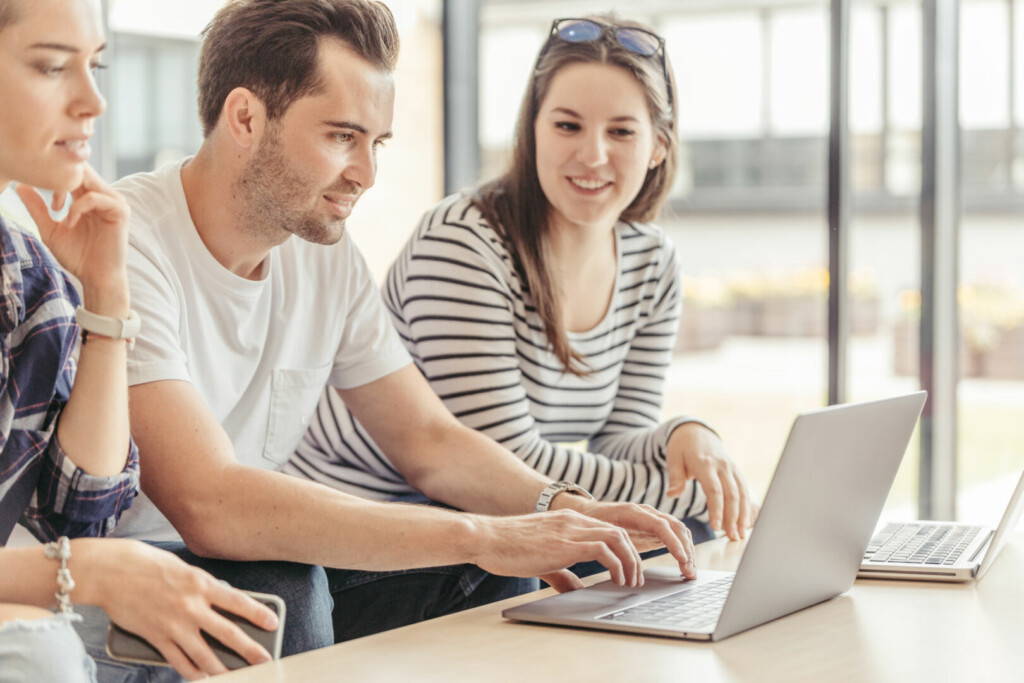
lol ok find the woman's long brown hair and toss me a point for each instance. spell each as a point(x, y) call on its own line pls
point(514, 203)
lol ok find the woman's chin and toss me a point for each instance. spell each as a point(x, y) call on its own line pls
point(63, 179)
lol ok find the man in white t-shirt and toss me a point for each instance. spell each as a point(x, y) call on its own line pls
point(252, 298)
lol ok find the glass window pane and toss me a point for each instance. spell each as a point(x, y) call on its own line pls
point(506, 56)
point(750, 229)
point(885, 242)
point(984, 64)
point(708, 50)
point(129, 106)
point(903, 149)
point(799, 70)
point(1018, 40)
point(991, 442)
point(865, 69)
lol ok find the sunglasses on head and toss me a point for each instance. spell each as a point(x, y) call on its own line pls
point(639, 41)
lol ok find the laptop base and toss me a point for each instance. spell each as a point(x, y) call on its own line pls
point(585, 608)
point(961, 575)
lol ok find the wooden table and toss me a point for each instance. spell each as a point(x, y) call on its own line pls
point(879, 631)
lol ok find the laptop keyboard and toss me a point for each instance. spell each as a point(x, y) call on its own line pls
point(694, 608)
point(934, 544)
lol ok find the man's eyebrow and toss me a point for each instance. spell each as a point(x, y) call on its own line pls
point(349, 125)
point(61, 47)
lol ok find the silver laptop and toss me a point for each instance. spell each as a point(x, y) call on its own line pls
point(939, 551)
point(824, 500)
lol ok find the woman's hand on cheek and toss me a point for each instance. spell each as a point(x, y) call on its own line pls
point(91, 242)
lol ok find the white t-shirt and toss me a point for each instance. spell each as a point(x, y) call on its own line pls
point(259, 352)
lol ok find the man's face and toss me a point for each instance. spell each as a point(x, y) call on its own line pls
point(312, 164)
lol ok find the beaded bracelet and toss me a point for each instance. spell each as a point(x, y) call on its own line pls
point(61, 550)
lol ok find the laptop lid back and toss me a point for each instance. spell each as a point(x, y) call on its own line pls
point(825, 497)
point(1006, 526)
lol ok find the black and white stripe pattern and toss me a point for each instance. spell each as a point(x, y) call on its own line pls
point(461, 310)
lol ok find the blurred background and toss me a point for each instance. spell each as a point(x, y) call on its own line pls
point(748, 213)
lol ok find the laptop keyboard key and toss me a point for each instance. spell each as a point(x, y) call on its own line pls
point(690, 609)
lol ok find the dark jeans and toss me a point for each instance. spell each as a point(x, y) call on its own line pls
point(326, 606)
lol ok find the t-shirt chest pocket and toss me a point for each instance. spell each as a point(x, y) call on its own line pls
point(293, 399)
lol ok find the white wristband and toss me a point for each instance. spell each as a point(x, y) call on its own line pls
point(106, 326)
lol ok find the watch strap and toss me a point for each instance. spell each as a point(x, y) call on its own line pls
point(106, 326)
point(549, 492)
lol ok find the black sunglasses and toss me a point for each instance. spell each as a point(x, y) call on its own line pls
point(639, 41)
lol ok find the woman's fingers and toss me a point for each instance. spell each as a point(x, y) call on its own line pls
point(88, 203)
point(731, 507)
point(178, 660)
point(235, 638)
point(91, 180)
point(198, 651)
point(713, 492)
point(237, 602)
point(676, 474)
point(36, 208)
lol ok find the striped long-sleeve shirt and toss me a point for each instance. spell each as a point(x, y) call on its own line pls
point(465, 316)
point(38, 341)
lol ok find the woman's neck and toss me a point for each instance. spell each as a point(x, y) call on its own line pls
point(584, 265)
point(576, 248)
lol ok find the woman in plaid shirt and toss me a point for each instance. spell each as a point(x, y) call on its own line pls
point(67, 466)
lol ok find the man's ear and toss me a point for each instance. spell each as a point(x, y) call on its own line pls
point(244, 116)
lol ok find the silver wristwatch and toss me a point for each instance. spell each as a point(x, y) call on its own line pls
point(556, 487)
point(105, 326)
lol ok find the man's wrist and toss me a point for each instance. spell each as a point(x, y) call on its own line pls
point(571, 502)
point(470, 537)
point(558, 490)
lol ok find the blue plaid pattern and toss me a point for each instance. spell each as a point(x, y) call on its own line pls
point(38, 348)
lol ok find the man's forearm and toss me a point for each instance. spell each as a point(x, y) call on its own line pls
point(260, 515)
point(463, 468)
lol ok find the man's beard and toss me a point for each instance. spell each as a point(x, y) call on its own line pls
point(270, 189)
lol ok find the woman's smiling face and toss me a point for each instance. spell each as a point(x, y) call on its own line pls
point(595, 144)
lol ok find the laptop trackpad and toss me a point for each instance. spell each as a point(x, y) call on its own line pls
point(606, 596)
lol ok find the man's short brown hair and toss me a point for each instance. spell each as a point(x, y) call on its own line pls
point(271, 48)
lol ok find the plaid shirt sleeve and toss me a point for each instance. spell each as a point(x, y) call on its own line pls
point(70, 502)
point(40, 343)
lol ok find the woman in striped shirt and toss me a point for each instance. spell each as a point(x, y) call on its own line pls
point(67, 468)
point(543, 306)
